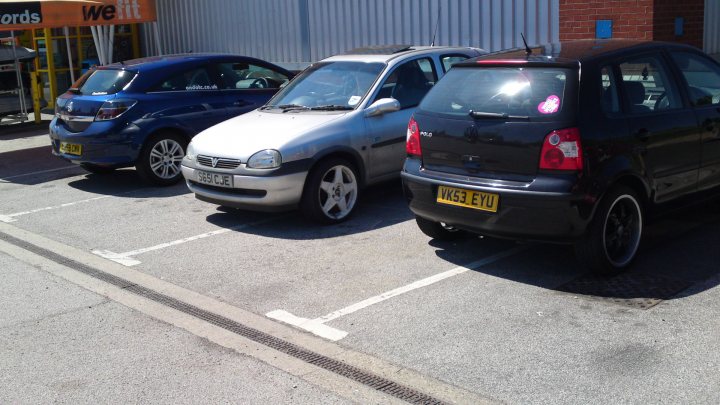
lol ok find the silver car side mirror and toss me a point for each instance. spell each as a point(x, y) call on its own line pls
point(382, 106)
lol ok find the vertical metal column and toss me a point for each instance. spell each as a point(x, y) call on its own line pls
point(18, 76)
point(157, 38)
point(304, 31)
point(52, 78)
point(66, 31)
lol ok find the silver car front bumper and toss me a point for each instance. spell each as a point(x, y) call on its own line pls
point(261, 193)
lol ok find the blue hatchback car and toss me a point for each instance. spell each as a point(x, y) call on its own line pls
point(143, 112)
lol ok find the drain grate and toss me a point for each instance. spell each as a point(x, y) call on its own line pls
point(378, 383)
point(635, 290)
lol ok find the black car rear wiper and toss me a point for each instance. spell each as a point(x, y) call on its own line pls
point(331, 107)
point(478, 114)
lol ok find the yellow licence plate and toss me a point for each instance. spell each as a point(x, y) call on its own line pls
point(70, 148)
point(468, 198)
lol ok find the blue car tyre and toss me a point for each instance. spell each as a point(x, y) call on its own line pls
point(160, 158)
point(331, 192)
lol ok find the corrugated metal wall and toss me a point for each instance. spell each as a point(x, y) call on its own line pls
point(301, 31)
point(267, 29)
point(711, 42)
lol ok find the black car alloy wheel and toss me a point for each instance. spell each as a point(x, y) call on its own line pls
point(613, 237)
point(622, 230)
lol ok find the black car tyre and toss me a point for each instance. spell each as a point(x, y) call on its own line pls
point(331, 192)
point(96, 169)
point(160, 159)
point(438, 230)
point(613, 238)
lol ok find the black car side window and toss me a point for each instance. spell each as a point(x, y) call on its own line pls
point(609, 100)
point(702, 77)
point(197, 79)
point(409, 82)
point(647, 86)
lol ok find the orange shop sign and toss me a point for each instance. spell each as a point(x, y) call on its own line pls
point(18, 15)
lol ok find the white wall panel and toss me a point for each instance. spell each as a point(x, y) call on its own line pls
point(301, 31)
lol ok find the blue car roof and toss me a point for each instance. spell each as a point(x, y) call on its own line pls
point(169, 61)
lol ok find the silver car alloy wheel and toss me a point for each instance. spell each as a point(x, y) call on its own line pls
point(338, 192)
point(165, 158)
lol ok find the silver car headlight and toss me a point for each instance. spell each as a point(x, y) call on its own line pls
point(265, 159)
point(190, 153)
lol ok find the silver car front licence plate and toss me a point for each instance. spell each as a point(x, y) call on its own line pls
point(215, 179)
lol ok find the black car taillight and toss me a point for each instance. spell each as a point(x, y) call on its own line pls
point(413, 139)
point(562, 150)
point(114, 108)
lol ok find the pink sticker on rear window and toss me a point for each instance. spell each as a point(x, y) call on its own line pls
point(551, 105)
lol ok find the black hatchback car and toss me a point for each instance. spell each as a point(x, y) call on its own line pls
point(570, 143)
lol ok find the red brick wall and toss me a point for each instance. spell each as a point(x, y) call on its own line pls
point(633, 19)
point(693, 11)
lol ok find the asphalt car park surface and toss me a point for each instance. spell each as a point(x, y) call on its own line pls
point(490, 316)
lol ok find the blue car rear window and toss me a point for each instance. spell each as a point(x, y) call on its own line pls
point(106, 82)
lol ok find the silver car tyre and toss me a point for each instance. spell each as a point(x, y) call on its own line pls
point(331, 192)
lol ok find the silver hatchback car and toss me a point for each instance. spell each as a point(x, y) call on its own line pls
point(338, 126)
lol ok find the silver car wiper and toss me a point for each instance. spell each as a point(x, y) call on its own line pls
point(292, 107)
point(331, 107)
point(479, 114)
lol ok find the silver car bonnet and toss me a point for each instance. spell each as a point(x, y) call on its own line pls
point(244, 135)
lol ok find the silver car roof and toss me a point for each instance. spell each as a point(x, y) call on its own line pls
point(415, 50)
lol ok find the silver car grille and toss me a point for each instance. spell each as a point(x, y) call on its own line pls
point(219, 163)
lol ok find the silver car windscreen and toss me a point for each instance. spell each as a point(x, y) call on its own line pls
point(330, 83)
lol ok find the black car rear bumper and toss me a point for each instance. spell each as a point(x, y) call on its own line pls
point(523, 213)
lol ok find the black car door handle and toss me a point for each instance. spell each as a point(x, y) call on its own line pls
point(642, 134)
point(242, 103)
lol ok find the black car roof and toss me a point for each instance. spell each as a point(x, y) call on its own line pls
point(570, 52)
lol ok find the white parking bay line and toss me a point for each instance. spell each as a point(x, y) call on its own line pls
point(127, 258)
point(5, 179)
point(317, 326)
point(7, 218)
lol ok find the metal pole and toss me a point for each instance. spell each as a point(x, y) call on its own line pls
point(111, 42)
point(96, 40)
point(69, 54)
point(157, 38)
point(103, 43)
point(18, 75)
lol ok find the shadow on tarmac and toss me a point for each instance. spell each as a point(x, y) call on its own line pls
point(125, 183)
point(379, 206)
point(34, 166)
point(678, 257)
